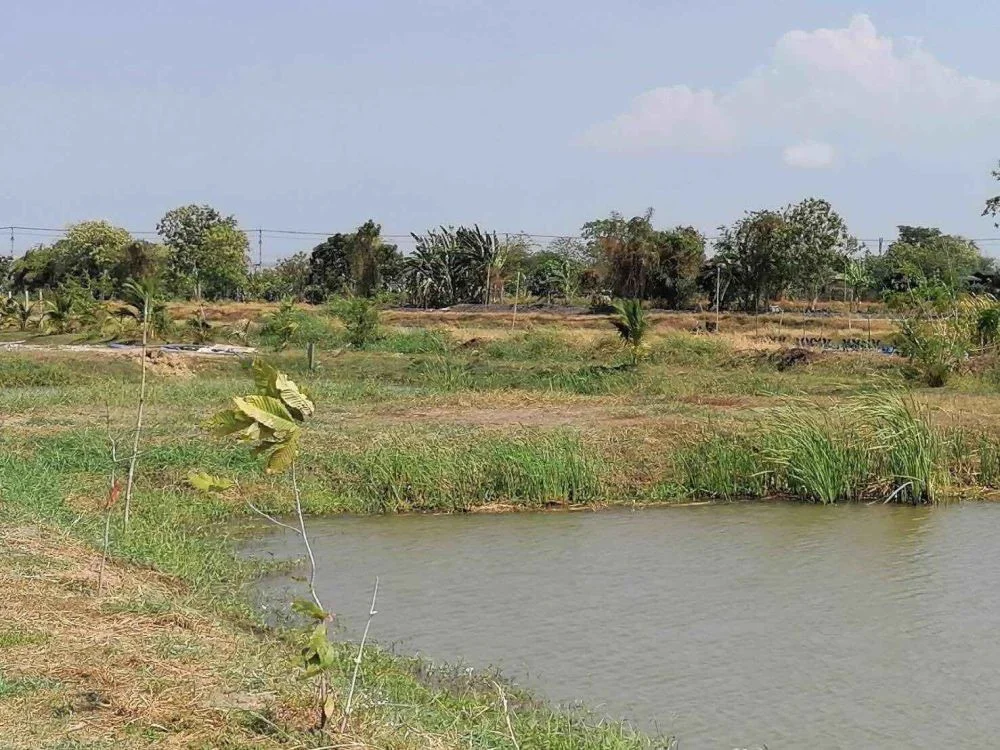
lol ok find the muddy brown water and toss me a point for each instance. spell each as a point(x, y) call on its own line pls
point(726, 626)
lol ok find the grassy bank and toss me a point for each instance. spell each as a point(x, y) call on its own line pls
point(442, 415)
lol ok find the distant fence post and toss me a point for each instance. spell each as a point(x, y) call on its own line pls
point(311, 355)
point(718, 282)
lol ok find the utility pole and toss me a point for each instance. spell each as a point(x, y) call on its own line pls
point(12, 242)
point(718, 284)
point(260, 249)
point(880, 246)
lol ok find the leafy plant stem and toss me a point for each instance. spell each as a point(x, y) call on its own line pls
point(357, 661)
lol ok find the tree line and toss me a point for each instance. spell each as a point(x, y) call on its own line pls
point(802, 251)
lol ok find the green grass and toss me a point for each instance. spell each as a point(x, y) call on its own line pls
point(814, 458)
point(726, 467)
point(456, 471)
point(875, 447)
point(707, 426)
point(12, 687)
point(13, 637)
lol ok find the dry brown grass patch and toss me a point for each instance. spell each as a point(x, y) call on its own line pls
point(132, 667)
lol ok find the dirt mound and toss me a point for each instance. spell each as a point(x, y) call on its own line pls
point(162, 363)
point(785, 359)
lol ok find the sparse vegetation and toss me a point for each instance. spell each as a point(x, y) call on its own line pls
point(444, 412)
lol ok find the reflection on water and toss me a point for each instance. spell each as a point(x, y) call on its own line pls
point(728, 626)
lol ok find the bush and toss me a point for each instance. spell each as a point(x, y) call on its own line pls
point(935, 347)
point(290, 325)
point(360, 316)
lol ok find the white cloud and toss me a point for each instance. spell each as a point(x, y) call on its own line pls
point(832, 85)
point(808, 155)
point(673, 116)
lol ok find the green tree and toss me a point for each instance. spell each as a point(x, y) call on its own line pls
point(627, 249)
point(755, 257)
point(819, 245)
point(360, 316)
point(185, 231)
point(6, 267)
point(552, 275)
point(433, 273)
point(924, 254)
point(640, 261)
point(223, 259)
point(681, 255)
point(289, 278)
point(93, 254)
point(358, 263)
point(96, 246)
point(140, 260)
point(466, 264)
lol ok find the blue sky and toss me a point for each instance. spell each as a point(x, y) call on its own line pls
point(523, 116)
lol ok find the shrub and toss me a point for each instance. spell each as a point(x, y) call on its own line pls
point(360, 317)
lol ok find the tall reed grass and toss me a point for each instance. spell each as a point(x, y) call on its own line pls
point(446, 473)
point(879, 446)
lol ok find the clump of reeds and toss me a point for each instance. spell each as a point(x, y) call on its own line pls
point(906, 450)
point(725, 467)
point(411, 472)
point(813, 457)
point(880, 446)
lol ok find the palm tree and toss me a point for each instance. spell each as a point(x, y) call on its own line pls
point(857, 279)
point(19, 313)
point(60, 311)
point(141, 301)
point(632, 324)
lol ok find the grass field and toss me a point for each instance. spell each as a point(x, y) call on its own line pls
point(448, 411)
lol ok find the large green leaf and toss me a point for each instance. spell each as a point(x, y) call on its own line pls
point(229, 421)
point(282, 456)
point(264, 376)
point(204, 482)
point(292, 396)
point(309, 609)
point(251, 434)
point(268, 411)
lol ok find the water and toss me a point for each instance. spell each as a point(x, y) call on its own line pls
point(727, 626)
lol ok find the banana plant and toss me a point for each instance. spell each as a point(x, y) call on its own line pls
point(632, 324)
point(270, 420)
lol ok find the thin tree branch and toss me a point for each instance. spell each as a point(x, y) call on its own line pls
point(113, 442)
point(305, 539)
point(271, 518)
point(138, 418)
point(357, 661)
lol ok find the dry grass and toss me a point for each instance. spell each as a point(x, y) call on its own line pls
point(131, 668)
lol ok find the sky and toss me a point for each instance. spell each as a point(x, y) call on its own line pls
point(521, 116)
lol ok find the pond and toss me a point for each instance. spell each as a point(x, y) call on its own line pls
point(728, 626)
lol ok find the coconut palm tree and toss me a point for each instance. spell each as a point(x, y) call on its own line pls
point(60, 313)
point(19, 313)
point(632, 324)
point(141, 301)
